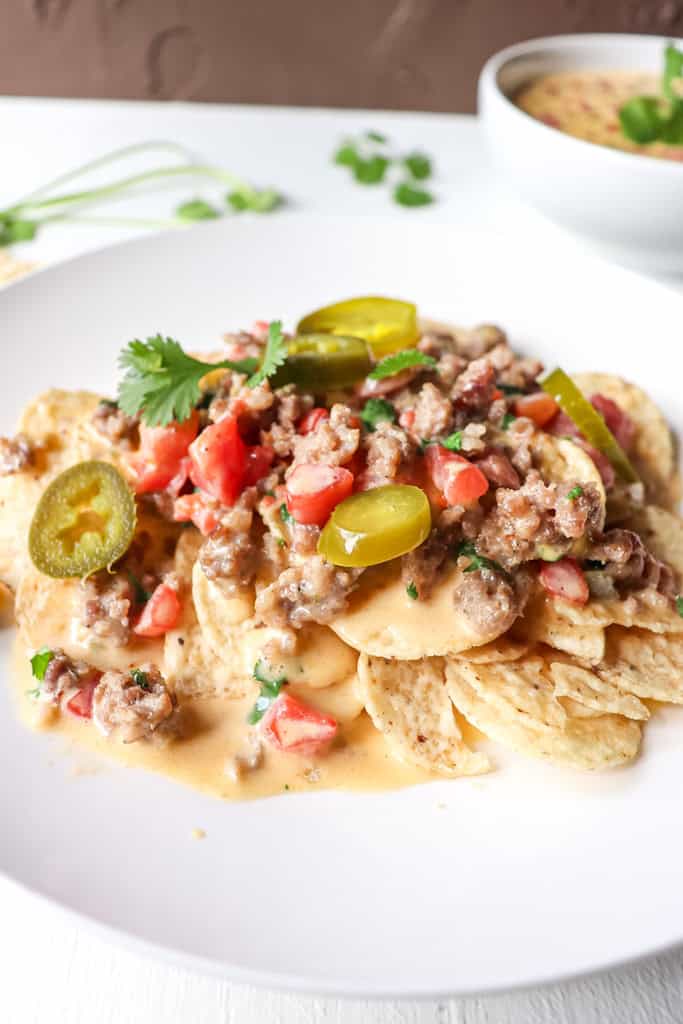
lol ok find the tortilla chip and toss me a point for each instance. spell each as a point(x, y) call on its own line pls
point(409, 704)
point(645, 664)
point(516, 706)
point(662, 534)
point(382, 620)
point(191, 666)
point(653, 453)
point(593, 691)
point(543, 623)
point(505, 648)
point(60, 421)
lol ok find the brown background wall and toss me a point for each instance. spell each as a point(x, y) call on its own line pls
point(410, 54)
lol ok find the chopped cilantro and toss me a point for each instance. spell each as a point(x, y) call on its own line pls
point(274, 356)
point(508, 418)
point(281, 541)
point(370, 171)
point(575, 493)
point(270, 690)
point(509, 389)
point(140, 678)
point(453, 442)
point(257, 200)
point(376, 137)
point(369, 161)
point(346, 155)
point(646, 119)
point(285, 514)
point(141, 595)
point(466, 548)
point(411, 591)
point(39, 662)
point(400, 361)
point(109, 403)
point(375, 410)
point(679, 606)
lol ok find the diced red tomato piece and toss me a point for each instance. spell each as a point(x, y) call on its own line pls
point(198, 509)
point(565, 579)
point(219, 461)
point(80, 704)
point(260, 329)
point(496, 395)
point(459, 481)
point(259, 460)
point(175, 486)
point(297, 728)
point(313, 491)
point(310, 421)
point(161, 612)
point(618, 421)
point(539, 407)
point(407, 419)
point(161, 452)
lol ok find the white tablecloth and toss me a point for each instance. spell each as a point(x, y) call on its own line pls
point(54, 972)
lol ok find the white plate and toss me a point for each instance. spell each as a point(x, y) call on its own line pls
point(522, 877)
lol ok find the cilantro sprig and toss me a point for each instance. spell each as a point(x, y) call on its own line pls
point(399, 361)
point(679, 606)
point(370, 162)
point(161, 382)
point(411, 591)
point(270, 691)
point(646, 119)
point(140, 678)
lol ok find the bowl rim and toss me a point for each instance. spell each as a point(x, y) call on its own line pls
point(488, 80)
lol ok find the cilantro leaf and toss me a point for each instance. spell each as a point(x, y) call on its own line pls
point(641, 119)
point(285, 515)
point(370, 171)
point(270, 691)
point(257, 200)
point(453, 442)
point(672, 132)
point(467, 548)
point(406, 194)
point(508, 419)
point(509, 389)
point(346, 155)
point(273, 357)
point(575, 493)
point(375, 410)
point(399, 361)
point(376, 137)
point(419, 165)
point(673, 69)
point(197, 209)
point(140, 678)
point(39, 662)
point(679, 606)
point(411, 591)
point(161, 382)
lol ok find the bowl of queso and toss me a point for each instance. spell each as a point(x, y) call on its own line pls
point(589, 130)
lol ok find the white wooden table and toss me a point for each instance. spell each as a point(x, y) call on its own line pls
point(53, 972)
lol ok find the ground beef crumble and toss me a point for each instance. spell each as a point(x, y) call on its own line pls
point(389, 453)
point(112, 423)
point(629, 565)
point(333, 442)
point(130, 710)
point(313, 591)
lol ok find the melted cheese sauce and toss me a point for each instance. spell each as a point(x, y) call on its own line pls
point(586, 105)
point(213, 734)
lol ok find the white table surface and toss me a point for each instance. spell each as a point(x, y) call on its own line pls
point(54, 972)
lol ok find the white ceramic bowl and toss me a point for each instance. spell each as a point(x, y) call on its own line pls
point(631, 206)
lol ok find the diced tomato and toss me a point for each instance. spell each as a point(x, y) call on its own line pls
point(80, 704)
point(310, 421)
point(354, 421)
point(313, 491)
point(175, 486)
point(161, 612)
point(219, 461)
point(602, 463)
point(407, 419)
point(199, 509)
point(565, 579)
point(618, 421)
point(259, 460)
point(539, 407)
point(459, 481)
point(161, 452)
point(296, 728)
point(496, 395)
